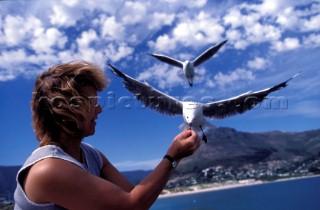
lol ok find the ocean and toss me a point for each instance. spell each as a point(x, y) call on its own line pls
point(297, 194)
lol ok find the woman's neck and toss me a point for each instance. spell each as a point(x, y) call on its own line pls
point(72, 146)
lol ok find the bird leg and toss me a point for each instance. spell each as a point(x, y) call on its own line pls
point(204, 137)
point(190, 127)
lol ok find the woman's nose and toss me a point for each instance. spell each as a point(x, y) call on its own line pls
point(98, 109)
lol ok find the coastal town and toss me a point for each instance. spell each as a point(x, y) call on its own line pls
point(221, 176)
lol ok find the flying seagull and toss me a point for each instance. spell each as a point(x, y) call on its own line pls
point(194, 113)
point(188, 66)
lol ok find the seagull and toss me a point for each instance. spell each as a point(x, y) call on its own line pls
point(188, 66)
point(194, 113)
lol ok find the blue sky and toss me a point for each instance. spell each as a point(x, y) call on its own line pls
point(268, 42)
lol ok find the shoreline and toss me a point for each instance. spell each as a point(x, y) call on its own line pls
point(225, 186)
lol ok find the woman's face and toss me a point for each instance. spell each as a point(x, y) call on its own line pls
point(94, 110)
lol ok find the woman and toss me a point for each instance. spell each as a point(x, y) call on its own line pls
point(64, 172)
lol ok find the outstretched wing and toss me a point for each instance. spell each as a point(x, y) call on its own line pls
point(168, 60)
point(239, 104)
point(208, 54)
point(149, 96)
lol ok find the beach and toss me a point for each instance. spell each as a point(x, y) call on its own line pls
point(200, 188)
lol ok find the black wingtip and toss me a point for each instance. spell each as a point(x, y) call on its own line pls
point(222, 43)
point(218, 46)
point(153, 55)
point(285, 83)
point(297, 74)
point(115, 70)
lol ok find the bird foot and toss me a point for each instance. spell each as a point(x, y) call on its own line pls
point(204, 138)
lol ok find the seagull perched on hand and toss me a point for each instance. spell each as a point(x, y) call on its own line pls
point(188, 66)
point(194, 113)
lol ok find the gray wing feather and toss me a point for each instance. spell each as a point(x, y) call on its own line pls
point(149, 96)
point(239, 104)
point(168, 60)
point(208, 54)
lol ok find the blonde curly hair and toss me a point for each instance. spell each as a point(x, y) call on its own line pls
point(58, 103)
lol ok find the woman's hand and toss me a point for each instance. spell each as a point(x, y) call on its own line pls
point(184, 145)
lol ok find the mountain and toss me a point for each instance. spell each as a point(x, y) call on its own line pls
point(136, 176)
point(8, 180)
point(254, 155)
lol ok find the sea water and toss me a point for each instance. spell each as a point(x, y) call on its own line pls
point(297, 194)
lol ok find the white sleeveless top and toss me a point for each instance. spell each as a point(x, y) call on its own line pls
point(94, 166)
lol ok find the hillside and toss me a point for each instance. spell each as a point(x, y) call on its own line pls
point(235, 155)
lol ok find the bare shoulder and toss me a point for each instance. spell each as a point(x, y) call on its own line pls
point(52, 168)
point(66, 184)
point(47, 174)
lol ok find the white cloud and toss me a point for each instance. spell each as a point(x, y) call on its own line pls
point(269, 7)
point(231, 77)
point(115, 52)
point(71, 3)
point(313, 24)
point(258, 63)
point(119, 27)
point(91, 55)
point(287, 44)
point(165, 76)
point(86, 38)
point(133, 12)
point(159, 19)
point(312, 41)
point(112, 29)
point(304, 20)
point(64, 16)
point(263, 33)
point(163, 43)
point(197, 31)
point(181, 4)
point(8, 71)
point(18, 29)
point(45, 41)
point(236, 19)
point(201, 30)
point(85, 50)
point(288, 18)
point(236, 37)
point(15, 63)
point(196, 4)
point(249, 25)
point(12, 56)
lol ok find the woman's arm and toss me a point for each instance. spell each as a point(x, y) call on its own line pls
point(110, 173)
point(67, 185)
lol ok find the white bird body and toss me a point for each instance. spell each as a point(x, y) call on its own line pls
point(188, 70)
point(194, 119)
point(194, 113)
point(188, 66)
